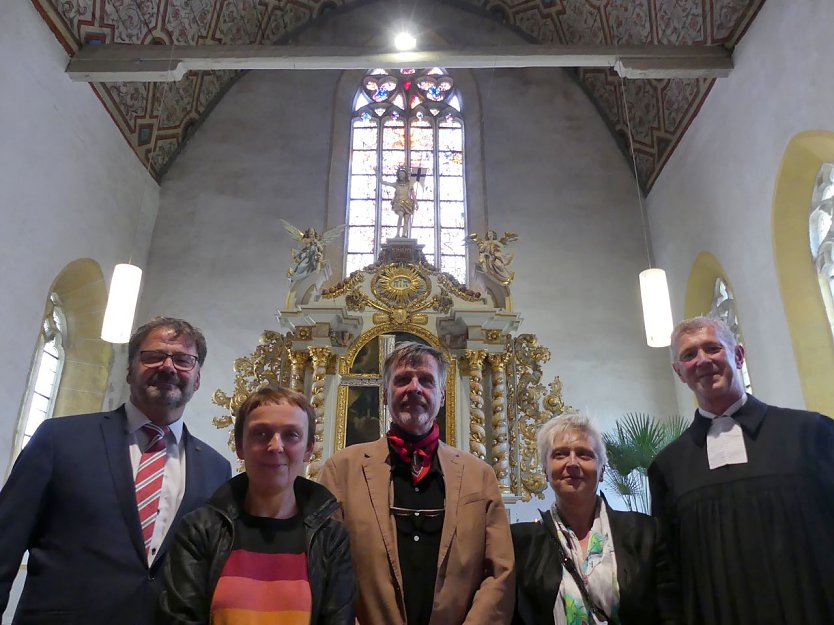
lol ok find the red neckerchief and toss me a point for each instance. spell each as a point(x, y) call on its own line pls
point(417, 454)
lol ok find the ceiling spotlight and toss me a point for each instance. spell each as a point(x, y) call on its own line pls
point(404, 41)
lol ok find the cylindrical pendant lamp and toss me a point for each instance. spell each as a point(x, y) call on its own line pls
point(121, 303)
point(657, 312)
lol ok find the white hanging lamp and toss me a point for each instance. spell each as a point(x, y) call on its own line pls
point(654, 289)
point(657, 313)
point(127, 277)
point(121, 303)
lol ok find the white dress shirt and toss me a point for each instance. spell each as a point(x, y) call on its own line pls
point(173, 482)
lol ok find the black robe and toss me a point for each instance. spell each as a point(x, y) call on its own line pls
point(753, 543)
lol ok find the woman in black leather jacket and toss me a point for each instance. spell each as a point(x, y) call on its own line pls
point(265, 543)
point(587, 563)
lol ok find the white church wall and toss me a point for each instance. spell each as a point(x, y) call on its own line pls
point(70, 188)
point(551, 172)
point(716, 192)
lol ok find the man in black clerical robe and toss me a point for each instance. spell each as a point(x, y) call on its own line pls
point(745, 495)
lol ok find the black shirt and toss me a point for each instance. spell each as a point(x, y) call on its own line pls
point(418, 514)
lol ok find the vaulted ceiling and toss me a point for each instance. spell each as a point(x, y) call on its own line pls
point(156, 128)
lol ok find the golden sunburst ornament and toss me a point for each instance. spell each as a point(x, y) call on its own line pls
point(399, 285)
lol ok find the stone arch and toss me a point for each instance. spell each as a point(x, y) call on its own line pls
point(83, 293)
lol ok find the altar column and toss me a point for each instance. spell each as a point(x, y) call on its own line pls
point(477, 420)
point(298, 363)
point(500, 431)
point(320, 356)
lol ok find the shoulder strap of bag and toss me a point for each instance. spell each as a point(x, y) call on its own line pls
point(569, 564)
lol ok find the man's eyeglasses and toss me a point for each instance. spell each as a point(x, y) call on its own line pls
point(154, 358)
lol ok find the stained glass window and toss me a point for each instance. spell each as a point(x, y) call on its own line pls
point(426, 137)
point(724, 308)
point(45, 374)
point(821, 231)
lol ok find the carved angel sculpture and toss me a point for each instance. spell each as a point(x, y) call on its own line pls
point(309, 258)
point(492, 259)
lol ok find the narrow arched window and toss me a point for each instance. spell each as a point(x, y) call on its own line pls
point(821, 231)
point(45, 375)
point(411, 119)
point(724, 308)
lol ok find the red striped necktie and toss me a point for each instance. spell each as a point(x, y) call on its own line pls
point(149, 479)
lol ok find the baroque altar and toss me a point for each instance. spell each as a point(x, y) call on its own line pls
point(331, 342)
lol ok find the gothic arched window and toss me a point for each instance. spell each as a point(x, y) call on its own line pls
point(413, 119)
point(821, 230)
point(724, 308)
point(48, 362)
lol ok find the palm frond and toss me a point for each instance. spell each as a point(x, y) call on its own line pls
point(632, 447)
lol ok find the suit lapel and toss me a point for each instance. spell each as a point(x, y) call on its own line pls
point(452, 480)
point(113, 430)
point(378, 480)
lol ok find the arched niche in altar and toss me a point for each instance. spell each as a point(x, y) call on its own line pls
point(361, 415)
point(331, 344)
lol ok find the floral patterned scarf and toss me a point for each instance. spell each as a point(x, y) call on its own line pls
point(598, 569)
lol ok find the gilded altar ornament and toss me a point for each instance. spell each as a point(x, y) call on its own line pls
point(500, 429)
point(533, 409)
point(449, 283)
point(348, 284)
point(492, 259)
point(477, 432)
point(320, 356)
point(298, 362)
point(267, 365)
point(309, 258)
point(400, 285)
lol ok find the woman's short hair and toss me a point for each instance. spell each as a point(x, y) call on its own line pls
point(569, 422)
point(273, 396)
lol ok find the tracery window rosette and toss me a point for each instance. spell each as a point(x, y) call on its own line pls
point(821, 235)
point(412, 118)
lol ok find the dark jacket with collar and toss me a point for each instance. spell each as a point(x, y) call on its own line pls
point(205, 540)
point(648, 591)
point(70, 500)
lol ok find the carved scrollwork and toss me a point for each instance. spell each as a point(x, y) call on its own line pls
point(348, 284)
point(266, 365)
point(450, 283)
point(534, 407)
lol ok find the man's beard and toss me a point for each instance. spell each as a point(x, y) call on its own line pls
point(175, 397)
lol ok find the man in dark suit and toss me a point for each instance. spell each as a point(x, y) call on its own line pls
point(97, 536)
point(745, 495)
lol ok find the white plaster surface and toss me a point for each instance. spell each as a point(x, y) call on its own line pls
point(70, 188)
point(716, 192)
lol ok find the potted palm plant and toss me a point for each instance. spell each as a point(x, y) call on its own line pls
point(632, 447)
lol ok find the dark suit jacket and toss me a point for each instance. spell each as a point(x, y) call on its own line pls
point(70, 501)
point(648, 591)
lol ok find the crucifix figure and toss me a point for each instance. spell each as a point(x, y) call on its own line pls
point(404, 202)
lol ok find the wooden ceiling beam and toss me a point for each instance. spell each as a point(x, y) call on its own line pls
point(158, 63)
